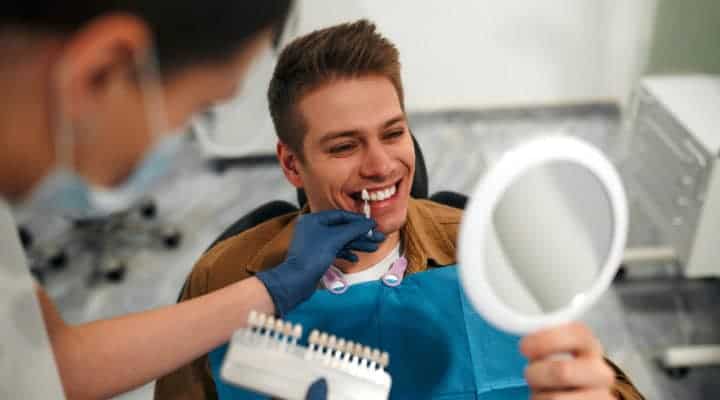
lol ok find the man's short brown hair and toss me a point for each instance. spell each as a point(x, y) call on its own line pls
point(339, 52)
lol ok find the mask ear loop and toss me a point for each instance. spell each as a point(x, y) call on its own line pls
point(64, 138)
point(149, 79)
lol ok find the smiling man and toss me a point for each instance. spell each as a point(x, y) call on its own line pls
point(355, 138)
point(336, 99)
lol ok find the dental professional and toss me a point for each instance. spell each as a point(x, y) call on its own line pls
point(91, 90)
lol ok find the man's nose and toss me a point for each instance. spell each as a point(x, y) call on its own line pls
point(377, 162)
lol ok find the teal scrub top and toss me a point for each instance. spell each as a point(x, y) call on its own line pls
point(439, 347)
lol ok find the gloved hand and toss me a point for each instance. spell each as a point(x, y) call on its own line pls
point(317, 391)
point(318, 240)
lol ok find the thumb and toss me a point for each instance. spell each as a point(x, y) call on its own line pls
point(337, 217)
point(345, 234)
point(317, 391)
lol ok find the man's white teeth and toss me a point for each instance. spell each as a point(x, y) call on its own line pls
point(365, 195)
point(381, 195)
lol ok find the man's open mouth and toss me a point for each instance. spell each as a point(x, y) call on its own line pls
point(376, 195)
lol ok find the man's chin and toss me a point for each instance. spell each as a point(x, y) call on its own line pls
point(388, 226)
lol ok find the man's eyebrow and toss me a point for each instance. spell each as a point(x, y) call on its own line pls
point(336, 135)
point(351, 133)
point(394, 120)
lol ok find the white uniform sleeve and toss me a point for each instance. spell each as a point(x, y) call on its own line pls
point(27, 365)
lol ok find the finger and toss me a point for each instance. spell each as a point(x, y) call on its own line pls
point(348, 255)
point(353, 231)
point(375, 236)
point(362, 241)
point(337, 217)
point(363, 245)
point(317, 391)
point(575, 338)
point(556, 374)
point(588, 394)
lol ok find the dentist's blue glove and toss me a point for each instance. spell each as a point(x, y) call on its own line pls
point(317, 391)
point(318, 240)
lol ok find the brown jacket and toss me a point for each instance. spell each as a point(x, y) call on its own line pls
point(429, 237)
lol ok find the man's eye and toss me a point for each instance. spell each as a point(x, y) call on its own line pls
point(394, 134)
point(342, 148)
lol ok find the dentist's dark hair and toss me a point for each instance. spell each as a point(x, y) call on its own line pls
point(186, 32)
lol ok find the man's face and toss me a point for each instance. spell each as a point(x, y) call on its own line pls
point(357, 138)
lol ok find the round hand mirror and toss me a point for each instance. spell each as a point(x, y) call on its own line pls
point(543, 234)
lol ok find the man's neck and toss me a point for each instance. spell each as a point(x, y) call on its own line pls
point(367, 260)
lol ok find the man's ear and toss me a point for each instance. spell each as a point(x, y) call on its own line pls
point(98, 60)
point(290, 163)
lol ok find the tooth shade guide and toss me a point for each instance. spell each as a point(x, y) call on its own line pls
point(287, 329)
point(269, 325)
point(313, 336)
point(332, 342)
point(367, 353)
point(313, 340)
point(252, 318)
point(266, 362)
point(339, 350)
point(375, 358)
point(260, 322)
point(349, 346)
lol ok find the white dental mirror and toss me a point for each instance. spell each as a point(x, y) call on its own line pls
point(543, 234)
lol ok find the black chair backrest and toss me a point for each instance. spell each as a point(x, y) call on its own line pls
point(255, 217)
point(419, 188)
point(449, 198)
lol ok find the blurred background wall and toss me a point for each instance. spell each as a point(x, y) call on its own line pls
point(486, 53)
point(686, 37)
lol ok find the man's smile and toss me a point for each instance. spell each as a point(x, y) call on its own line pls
point(380, 196)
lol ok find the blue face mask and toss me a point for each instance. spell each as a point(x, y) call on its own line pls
point(65, 192)
point(61, 191)
point(156, 164)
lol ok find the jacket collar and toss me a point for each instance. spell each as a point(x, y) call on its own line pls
point(424, 242)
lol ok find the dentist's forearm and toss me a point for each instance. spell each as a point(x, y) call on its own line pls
point(104, 358)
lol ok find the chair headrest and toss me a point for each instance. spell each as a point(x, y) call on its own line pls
point(419, 188)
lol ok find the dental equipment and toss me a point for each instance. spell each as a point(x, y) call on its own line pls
point(366, 206)
point(275, 364)
point(671, 157)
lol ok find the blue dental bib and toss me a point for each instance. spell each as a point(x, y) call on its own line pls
point(439, 347)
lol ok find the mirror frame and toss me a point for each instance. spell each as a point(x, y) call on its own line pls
point(490, 189)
